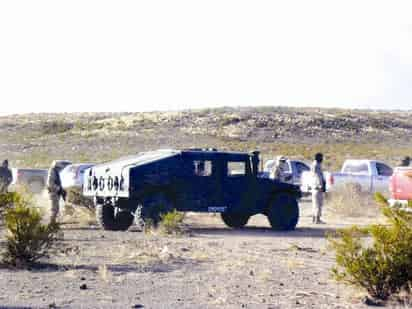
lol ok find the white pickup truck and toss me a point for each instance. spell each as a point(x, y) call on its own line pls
point(366, 175)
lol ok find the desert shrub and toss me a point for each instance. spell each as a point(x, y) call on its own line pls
point(172, 223)
point(7, 200)
point(349, 201)
point(81, 215)
point(20, 196)
point(380, 263)
point(55, 127)
point(75, 197)
point(27, 238)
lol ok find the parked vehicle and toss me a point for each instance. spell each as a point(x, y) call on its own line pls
point(72, 175)
point(35, 179)
point(400, 186)
point(144, 186)
point(293, 170)
point(365, 175)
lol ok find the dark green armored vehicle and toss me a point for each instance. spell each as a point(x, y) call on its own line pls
point(142, 187)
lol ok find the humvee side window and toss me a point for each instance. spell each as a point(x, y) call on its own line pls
point(236, 168)
point(202, 168)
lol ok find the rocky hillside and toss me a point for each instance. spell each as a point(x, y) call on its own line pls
point(33, 139)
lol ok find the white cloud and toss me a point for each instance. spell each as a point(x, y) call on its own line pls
point(145, 55)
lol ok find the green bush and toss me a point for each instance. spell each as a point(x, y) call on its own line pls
point(7, 200)
point(172, 223)
point(28, 239)
point(381, 264)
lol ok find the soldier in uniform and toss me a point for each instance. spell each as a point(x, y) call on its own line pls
point(318, 189)
point(54, 187)
point(5, 177)
point(278, 171)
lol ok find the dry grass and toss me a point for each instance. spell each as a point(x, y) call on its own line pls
point(80, 215)
point(144, 253)
point(350, 202)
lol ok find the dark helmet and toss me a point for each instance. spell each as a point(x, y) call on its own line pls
point(319, 157)
point(5, 163)
point(406, 161)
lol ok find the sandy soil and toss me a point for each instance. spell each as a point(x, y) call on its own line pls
point(212, 267)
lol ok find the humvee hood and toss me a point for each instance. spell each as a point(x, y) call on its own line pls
point(137, 160)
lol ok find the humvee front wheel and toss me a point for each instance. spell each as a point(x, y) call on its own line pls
point(283, 212)
point(234, 220)
point(109, 220)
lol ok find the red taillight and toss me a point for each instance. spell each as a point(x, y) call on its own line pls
point(18, 175)
point(331, 180)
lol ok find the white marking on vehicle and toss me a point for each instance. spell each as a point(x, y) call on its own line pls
point(217, 209)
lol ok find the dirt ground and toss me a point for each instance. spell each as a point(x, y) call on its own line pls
point(211, 267)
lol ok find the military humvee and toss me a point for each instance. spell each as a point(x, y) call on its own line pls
point(144, 186)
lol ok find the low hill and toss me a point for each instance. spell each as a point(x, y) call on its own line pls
point(33, 140)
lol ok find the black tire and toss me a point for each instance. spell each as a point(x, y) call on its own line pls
point(105, 216)
point(283, 212)
point(234, 220)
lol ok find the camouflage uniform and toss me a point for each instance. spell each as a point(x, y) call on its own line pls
point(5, 177)
point(55, 190)
point(318, 189)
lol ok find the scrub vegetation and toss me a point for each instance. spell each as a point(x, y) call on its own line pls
point(34, 140)
point(27, 238)
point(381, 263)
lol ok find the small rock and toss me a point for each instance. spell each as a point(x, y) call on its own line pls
point(251, 273)
point(281, 284)
point(137, 306)
point(52, 306)
point(83, 286)
point(371, 302)
point(82, 278)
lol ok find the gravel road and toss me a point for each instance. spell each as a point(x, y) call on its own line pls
point(211, 267)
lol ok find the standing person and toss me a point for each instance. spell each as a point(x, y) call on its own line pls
point(278, 171)
point(6, 177)
point(406, 161)
point(54, 187)
point(318, 188)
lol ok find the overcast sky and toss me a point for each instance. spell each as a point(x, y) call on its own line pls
point(160, 55)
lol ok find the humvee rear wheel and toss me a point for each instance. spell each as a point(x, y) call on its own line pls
point(283, 212)
point(109, 220)
point(234, 220)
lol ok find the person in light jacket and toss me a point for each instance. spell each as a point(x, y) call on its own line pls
point(318, 189)
point(278, 171)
